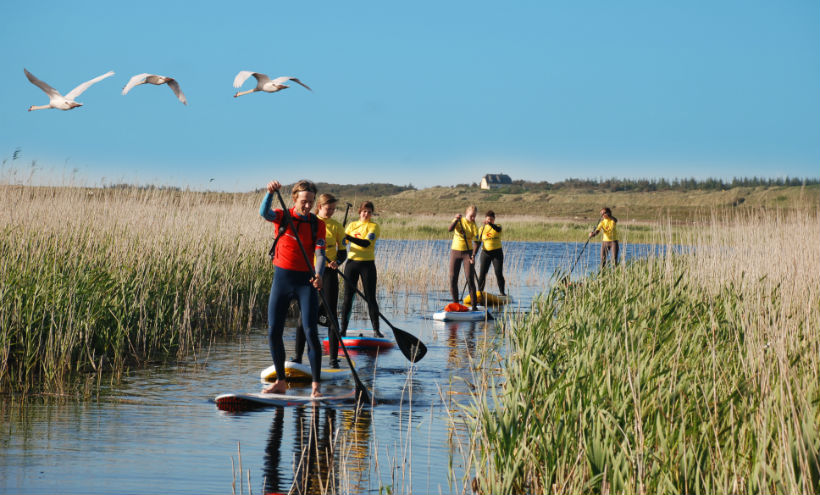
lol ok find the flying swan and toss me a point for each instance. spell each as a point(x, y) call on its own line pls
point(263, 83)
point(58, 101)
point(155, 79)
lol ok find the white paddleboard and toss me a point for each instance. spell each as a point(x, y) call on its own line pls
point(479, 315)
point(242, 402)
point(301, 372)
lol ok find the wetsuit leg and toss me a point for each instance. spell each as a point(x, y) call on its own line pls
point(309, 304)
point(469, 270)
point(300, 340)
point(483, 269)
point(278, 302)
point(498, 267)
point(455, 269)
point(369, 279)
point(330, 286)
point(616, 251)
point(351, 281)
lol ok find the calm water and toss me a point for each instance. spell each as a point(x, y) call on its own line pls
point(158, 431)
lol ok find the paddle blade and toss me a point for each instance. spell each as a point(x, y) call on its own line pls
point(412, 348)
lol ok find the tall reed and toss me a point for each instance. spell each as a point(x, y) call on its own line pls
point(93, 279)
point(687, 373)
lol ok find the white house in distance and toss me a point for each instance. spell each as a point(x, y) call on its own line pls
point(492, 181)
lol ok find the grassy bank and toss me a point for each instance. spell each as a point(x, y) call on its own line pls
point(687, 374)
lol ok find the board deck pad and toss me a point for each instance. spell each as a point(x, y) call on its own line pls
point(301, 372)
point(248, 401)
point(480, 315)
point(361, 339)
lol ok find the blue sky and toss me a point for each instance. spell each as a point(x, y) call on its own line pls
point(428, 93)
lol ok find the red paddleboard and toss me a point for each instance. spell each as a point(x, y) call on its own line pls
point(361, 339)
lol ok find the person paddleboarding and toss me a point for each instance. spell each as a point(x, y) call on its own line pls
point(608, 225)
point(293, 277)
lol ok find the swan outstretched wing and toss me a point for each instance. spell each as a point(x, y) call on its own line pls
point(284, 79)
point(74, 93)
point(243, 76)
point(51, 92)
point(138, 79)
point(174, 85)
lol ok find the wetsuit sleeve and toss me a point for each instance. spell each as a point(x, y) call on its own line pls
point(495, 227)
point(341, 256)
point(266, 212)
point(359, 242)
point(319, 262)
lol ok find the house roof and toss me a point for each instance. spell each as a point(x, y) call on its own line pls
point(498, 179)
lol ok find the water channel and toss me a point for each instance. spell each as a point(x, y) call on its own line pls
point(158, 430)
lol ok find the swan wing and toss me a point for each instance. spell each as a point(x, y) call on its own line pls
point(51, 92)
point(174, 85)
point(74, 93)
point(138, 79)
point(300, 82)
point(243, 76)
point(284, 79)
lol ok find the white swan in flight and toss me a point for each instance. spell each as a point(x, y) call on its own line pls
point(58, 101)
point(155, 79)
point(263, 83)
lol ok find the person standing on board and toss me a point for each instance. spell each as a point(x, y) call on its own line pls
point(292, 277)
point(489, 237)
point(461, 252)
point(336, 255)
point(361, 237)
point(608, 225)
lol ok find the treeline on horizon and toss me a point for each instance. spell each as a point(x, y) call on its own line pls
point(373, 189)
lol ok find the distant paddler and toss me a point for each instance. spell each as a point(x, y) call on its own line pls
point(465, 235)
point(361, 237)
point(607, 225)
point(293, 278)
point(489, 237)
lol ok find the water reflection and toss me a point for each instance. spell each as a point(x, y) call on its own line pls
point(321, 461)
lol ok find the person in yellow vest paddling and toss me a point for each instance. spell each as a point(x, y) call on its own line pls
point(461, 253)
point(608, 225)
point(489, 237)
point(361, 237)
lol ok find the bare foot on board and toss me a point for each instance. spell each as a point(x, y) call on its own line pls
point(316, 392)
point(277, 387)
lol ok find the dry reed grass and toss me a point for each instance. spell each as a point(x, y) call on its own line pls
point(683, 373)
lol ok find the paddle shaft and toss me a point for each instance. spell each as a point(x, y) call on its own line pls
point(364, 395)
point(582, 252)
point(347, 209)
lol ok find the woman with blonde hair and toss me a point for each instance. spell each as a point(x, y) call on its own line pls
point(292, 277)
point(462, 253)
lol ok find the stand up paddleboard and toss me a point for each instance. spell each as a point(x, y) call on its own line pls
point(479, 315)
point(361, 340)
point(244, 402)
point(301, 372)
point(487, 299)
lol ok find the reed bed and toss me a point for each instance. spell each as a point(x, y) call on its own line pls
point(96, 280)
point(683, 373)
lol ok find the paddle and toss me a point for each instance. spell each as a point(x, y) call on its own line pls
point(363, 395)
point(412, 348)
point(347, 209)
point(566, 279)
